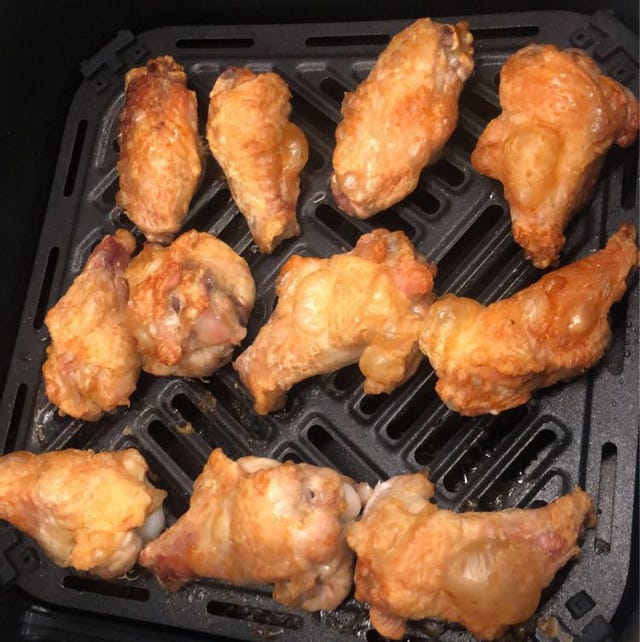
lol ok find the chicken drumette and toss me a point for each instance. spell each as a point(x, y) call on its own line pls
point(491, 358)
point(259, 150)
point(91, 511)
point(160, 153)
point(257, 520)
point(560, 116)
point(92, 364)
point(400, 117)
point(483, 570)
point(189, 304)
point(367, 305)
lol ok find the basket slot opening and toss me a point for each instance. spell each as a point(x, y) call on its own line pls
point(174, 448)
point(316, 160)
point(190, 412)
point(301, 107)
point(103, 587)
point(338, 224)
point(255, 615)
point(412, 412)
point(74, 162)
point(424, 200)
point(348, 41)
point(202, 219)
point(437, 438)
point(606, 497)
point(369, 404)
point(234, 231)
point(480, 106)
point(492, 33)
point(290, 455)
point(449, 173)
point(464, 139)
point(393, 222)
point(332, 88)
point(347, 378)
point(214, 43)
point(16, 416)
point(108, 197)
point(45, 289)
point(629, 194)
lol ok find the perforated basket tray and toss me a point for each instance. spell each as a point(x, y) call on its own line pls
point(583, 432)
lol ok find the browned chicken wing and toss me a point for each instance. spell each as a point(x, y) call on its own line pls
point(560, 116)
point(256, 520)
point(400, 117)
point(491, 358)
point(260, 151)
point(367, 305)
point(483, 570)
point(189, 304)
point(160, 153)
point(92, 364)
point(91, 511)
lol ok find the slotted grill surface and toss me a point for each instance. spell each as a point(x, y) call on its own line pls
point(581, 432)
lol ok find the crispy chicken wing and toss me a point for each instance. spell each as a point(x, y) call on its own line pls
point(189, 304)
point(256, 520)
point(161, 157)
point(91, 511)
point(560, 116)
point(366, 305)
point(92, 365)
point(483, 570)
point(491, 358)
point(400, 117)
point(260, 151)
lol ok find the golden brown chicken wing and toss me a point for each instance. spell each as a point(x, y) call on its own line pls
point(400, 117)
point(483, 570)
point(256, 520)
point(160, 153)
point(91, 511)
point(560, 116)
point(366, 305)
point(189, 304)
point(92, 364)
point(259, 150)
point(491, 358)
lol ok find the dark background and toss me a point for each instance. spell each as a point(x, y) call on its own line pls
point(42, 44)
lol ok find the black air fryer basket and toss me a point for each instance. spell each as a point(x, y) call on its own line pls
point(582, 432)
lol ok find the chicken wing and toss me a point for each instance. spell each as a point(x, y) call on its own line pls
point(491, 358)
point(91, 511)
point(260, 151)
point(560, 116)
point(256, 520)
point(161, 157)
point(366, 305)
point(483, 570)
point(400, 117)
point(189, 304)
point(92, 364)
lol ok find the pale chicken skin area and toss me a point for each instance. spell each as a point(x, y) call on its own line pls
point(90, 511)
point(483, 570)
point(257, 520)
point(161, 156)
point(400, 117)
point(366, 306)
point(489, 359)
point(189, 304)
point(560, 115)
point(92, 365)
point(259, 150)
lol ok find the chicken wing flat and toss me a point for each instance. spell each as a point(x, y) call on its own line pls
point(92, 364)
point(161, 157)
point(189, 304)
point(257, 520)
point(366, 305)
point(560, 116)
point(483, 570)
point(91, 511)
point(259, 150)
point(400, 117)
point(491, 358)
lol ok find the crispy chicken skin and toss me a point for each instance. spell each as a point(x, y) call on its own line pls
point(491, 358)
point(259, 150)
point(560, 116)
point(367, 305)
point(161, 158)
point(400, 117)
point(189, 304)
point(257, 520)
point(92, 365)
point(483, 570)
point(91, 511)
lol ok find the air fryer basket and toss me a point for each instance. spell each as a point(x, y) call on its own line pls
point(582, 432)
